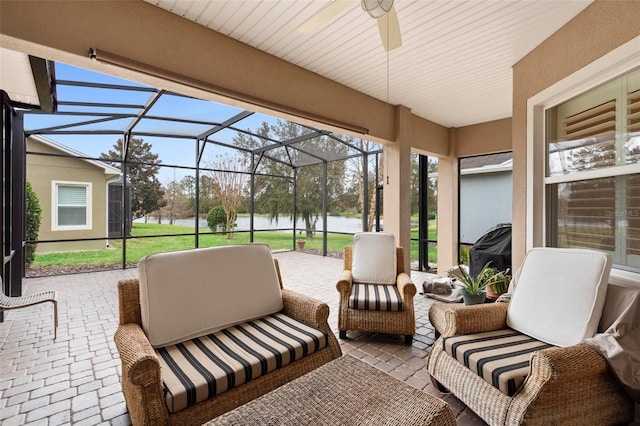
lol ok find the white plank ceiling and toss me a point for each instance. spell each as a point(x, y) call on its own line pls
point(454, 66)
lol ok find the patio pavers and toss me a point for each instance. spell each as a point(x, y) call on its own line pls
point(76, 378)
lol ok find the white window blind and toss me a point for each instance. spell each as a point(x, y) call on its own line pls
point(72, 206)
point(593, 171)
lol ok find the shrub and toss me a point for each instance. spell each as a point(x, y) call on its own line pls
point(33, 213)
point(217, 218)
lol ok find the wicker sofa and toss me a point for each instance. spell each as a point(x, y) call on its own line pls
point(374, 261)
point(205, 301)
point(557, 378)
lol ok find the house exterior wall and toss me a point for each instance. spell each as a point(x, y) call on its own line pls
point(485, 201)
point(41, 171)
point(598, 30)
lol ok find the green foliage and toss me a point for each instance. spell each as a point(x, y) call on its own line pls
point(476, 285)
point(147, 195)
point(464, 254)
point(499, 280)
point(217, 219)
point(33, 213)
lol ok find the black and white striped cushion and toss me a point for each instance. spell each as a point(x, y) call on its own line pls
point(500, 357)
point(198, 369)
point(375, 297)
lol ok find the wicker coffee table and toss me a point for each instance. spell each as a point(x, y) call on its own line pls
point(345, 391)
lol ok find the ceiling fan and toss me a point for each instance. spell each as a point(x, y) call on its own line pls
point(381, 10)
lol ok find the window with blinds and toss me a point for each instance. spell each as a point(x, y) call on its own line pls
point(72, 206)
point(593, 171)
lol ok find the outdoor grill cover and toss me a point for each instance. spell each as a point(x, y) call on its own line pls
point(493, 246)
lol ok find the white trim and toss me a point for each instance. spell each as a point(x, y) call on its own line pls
point(594, 174)
point(609, 66)
point(54, 206)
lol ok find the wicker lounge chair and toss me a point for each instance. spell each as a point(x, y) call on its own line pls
point(145, 369)
point(375, 261)
point(556, 379)
point(17, 302)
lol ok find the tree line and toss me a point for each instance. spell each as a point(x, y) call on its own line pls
point(224, 179)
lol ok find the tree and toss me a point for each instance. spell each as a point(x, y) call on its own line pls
point(275, 195)
point(176, 200)
point(33, 213)
point(229, 176)
point(217, 218)
point(147, 194)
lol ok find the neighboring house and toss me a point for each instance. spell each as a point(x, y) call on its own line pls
point(73, 194)
point(486, 186)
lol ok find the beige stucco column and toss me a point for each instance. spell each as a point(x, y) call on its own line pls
point(397, 184)
point(447, 210)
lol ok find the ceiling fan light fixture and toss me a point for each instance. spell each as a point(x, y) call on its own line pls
point(377, 8)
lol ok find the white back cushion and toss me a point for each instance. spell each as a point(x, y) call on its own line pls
point(560, 294)
point(374, 258)
point(192, 293)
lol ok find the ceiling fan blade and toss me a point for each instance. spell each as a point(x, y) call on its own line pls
point(390, 30)
point(329, 12)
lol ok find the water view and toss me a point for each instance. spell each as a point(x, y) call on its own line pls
point(334, 223)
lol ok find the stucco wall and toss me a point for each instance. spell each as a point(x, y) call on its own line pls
point(599, 29)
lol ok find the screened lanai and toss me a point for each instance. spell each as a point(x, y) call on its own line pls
point(168, 163)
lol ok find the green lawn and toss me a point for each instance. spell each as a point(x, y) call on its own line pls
point(140, 247)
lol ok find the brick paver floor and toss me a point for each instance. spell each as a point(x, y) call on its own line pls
point(76, 378)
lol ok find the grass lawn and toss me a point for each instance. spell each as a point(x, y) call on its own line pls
point(140, 247)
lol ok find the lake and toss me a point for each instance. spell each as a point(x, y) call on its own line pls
point(334, 223)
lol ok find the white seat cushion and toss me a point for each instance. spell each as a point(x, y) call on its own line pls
point(560, 294)
point(374, 258)
point(191, 293)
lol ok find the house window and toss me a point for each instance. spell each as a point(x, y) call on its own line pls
point(71, 208)
point(592, 181)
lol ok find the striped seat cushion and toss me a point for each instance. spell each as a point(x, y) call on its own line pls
point(375, 297)
point(500, 357)
point(198, 369)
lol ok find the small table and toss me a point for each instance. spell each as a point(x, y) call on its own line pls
point(345, 391)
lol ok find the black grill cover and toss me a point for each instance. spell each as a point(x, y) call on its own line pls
point(494, 246)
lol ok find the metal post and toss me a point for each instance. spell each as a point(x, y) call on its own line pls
point(325, 177)
point(125, 148)
point(365, 189)
point(295, 205)
point(377, 194)
point(252, 199)
point(197, 192)
point(423, 216)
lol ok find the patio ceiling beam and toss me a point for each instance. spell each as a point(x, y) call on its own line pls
point(145, 109)
point(240, 116)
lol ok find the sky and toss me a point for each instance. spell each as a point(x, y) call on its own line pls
point(171, 151)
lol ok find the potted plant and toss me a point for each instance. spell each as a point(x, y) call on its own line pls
point(473, 288)
point(300, 243)
point(498, 282)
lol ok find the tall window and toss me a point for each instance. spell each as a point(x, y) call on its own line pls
point(593, 171)
point(71, 206)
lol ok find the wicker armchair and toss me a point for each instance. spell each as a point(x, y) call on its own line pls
point(568, 385)
point(141, 376)
point(372, 320)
